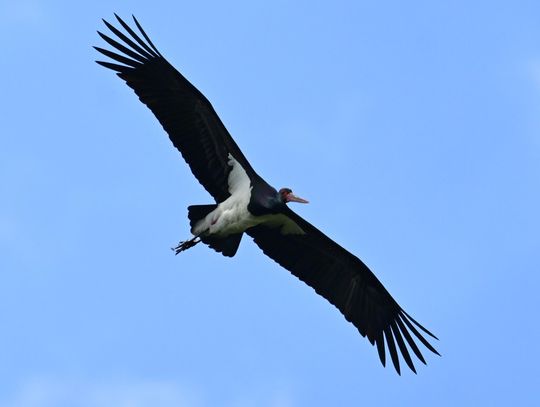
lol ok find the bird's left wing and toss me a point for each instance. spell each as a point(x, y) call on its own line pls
point(346, 282)
point(186, 115)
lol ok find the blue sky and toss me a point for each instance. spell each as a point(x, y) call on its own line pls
point(412, 127)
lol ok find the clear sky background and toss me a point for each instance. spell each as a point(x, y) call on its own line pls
point(412, 127)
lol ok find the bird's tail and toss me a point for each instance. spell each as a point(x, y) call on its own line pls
point(199, 212)
point(224, 245)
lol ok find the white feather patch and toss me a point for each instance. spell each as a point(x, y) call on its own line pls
point(238, 180)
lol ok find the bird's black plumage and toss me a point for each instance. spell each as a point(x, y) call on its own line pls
point(197, 132)
point(186, 115)
point(346, 282)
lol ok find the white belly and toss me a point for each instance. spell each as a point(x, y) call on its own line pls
point(231, 216)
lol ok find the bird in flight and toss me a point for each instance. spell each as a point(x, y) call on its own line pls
point(245, 203)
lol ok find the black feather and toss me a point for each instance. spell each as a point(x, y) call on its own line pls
point(402, 347)
point(128, 41)
point(136, 37)
point(118, 58)
point(122, 48)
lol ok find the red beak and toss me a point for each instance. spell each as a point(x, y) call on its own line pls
point(293, 198)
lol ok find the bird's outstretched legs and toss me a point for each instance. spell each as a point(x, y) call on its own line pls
point(186, 245)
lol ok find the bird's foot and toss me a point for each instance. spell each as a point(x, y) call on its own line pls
point(186, 245)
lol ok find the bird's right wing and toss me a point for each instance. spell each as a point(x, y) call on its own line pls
point(346, 282)
point(184, 112)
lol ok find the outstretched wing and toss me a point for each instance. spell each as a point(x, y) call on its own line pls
point(346, 282)
point(186, 115)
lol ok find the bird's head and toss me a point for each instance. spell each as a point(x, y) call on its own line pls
point(287, 196)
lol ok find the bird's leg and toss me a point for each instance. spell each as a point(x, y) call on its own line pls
point(186, 244)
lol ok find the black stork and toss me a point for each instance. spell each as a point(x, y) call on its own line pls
point(245, 203)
